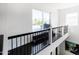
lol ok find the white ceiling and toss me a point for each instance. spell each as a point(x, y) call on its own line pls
point(56, 5)
point(51, 5)
point(65, 5)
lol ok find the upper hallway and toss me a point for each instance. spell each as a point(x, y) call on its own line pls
point(16, 18)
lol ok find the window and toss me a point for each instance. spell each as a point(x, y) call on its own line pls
point(72, 19)
point(40, 20)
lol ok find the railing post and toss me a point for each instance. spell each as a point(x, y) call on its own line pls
point(50, 31)
point(5, 45)
point(50, 35)
point(62, 30)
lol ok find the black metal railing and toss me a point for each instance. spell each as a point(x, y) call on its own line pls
point(58, 32)
point(65, 29)
point(29, 43)
point(34, 42)
point(1, 44)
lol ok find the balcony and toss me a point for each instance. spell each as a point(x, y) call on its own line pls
point(34, 42)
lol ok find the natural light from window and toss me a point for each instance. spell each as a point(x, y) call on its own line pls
point(40, 20)
point(72, 19)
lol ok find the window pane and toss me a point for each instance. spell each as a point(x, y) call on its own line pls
point(72, 19)
point(36, 19)
point(46, 17)
point(45, 20)
point(40, 20)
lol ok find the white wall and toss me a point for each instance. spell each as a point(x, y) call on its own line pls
point(62, 48)
point(19, 17)
point(73, 30)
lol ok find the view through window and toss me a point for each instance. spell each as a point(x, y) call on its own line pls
point(40, 20)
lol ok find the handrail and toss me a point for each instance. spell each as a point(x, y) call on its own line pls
point(59, 27)
point(10, 37)
point(14, 36)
